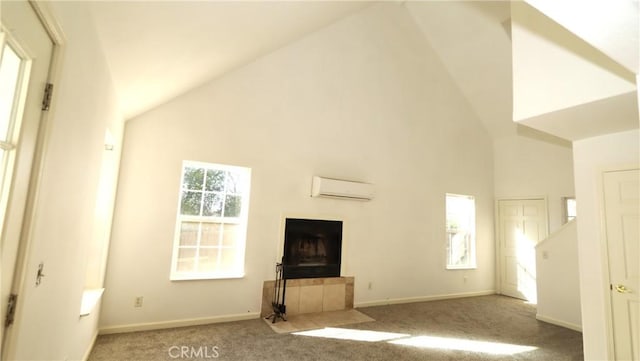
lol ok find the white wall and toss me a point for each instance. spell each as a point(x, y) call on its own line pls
point(48, 325)
point(554, 69)
point(364, 99)
point(525, 167)
point(591, 156)
point(558, 279)
point(612, 27)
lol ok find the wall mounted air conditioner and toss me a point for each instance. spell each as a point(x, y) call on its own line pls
point(336, 188)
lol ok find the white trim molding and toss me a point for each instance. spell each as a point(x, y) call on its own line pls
point(396, 301)
point(87, 353)
point(564, 324)
point(178, 323)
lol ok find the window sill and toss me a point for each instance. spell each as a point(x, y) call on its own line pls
point(90, 298)
point(199, 277)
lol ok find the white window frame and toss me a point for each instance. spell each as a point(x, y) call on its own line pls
point(237, 271)
point(11, 142)
point(469, 238)
point(565, 209)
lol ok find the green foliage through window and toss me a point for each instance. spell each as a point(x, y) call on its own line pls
point(211, 193)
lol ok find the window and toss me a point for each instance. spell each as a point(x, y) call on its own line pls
point(14, 77)
point(212, 222)
point(461, 231)
point(569, 209)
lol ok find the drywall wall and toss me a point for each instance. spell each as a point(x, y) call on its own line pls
point(525, 166)
point(573, 86)
point(48, 326)
point(611, 27)
point(591, 156)
point(558, 279)
point(364, 99)
point(554, 69)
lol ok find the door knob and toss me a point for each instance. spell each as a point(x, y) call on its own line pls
point(622, 289)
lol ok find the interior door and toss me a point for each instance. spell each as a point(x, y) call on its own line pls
point(26, 56)
point(622, 220)
point(522, 223)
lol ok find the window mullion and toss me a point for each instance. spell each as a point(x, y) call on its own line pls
point(196, 262)
point(198, 242)
point(6, 146)
point(201, 202)
point(220, 241)
point(223, 194)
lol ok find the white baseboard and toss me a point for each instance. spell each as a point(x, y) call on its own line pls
point(178, 323)
point(90, 348)
point(394, 301)
point(560, 323)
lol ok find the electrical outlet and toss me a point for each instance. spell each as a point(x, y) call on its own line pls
point(464, 279)
point(370, 286)
point(138, 301)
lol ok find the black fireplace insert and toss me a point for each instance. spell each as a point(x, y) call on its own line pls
point(312, 248)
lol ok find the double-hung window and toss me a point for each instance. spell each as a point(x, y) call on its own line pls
point(212, 222)
point(461, 231)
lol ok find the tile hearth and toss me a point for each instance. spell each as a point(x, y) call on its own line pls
point(311, 295)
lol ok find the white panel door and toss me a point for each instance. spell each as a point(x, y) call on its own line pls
point(622, 220)
point(24, 42)
point(522, 224)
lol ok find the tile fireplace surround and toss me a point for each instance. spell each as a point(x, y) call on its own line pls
point(310, 295)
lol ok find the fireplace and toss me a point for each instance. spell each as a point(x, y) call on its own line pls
point(312, 248)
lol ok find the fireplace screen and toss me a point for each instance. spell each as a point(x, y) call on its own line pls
point(312, 248)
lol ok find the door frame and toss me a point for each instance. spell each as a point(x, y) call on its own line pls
point(604, 246)
point(58, 39)
point(496, 225)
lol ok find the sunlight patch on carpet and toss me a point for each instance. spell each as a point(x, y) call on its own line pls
point(446, 343)
point(442, 343)
point(350, 334)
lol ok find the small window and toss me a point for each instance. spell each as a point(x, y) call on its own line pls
point(461, 231)
point(212, 222)
point(569, 209)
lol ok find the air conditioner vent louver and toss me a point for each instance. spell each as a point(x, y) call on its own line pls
point(336, 188)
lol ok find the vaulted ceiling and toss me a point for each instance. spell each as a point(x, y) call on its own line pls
point(158, 50)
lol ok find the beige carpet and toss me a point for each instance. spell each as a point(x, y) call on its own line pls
point(469, 329)
point(310, 321)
